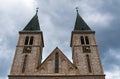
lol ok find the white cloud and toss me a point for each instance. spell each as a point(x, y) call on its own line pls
point(5, 52)
point(14, 13)
point(12, 4)
point(3, 78)
point(97, 18)
point(114, 73)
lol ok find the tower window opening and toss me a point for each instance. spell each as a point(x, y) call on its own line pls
point(31, 40)
point(24, 64)
point(56, 63)
point(82, 40)
point(87, 40)
point(88, 62)
point(26, 40)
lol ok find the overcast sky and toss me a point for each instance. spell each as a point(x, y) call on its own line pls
point(57, 19)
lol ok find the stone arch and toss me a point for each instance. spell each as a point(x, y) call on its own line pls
point(71, 70)
point(64, 66)
point(50, 66)
point(42, 70)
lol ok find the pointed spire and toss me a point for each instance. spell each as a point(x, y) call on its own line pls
point(33, 25)
point(80, 23)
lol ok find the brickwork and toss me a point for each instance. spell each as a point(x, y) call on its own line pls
point(28, 56)
point(79, 57)
point(33, 56)
point(76, 70)
point(65, 66)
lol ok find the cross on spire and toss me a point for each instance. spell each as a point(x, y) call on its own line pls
point(37, 10)
point(33, 25)
point(77, 9)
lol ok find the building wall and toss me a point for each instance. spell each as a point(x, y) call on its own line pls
point(79, 57)
point(59, 77)
point(32, 57)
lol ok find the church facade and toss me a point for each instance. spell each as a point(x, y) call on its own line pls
point(27, 62)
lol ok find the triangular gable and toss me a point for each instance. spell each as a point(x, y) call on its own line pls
point(65, 66)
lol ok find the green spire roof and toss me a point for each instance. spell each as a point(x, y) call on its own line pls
point(80, 23)
point(33, 25)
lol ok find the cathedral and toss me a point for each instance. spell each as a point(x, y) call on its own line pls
point(27, 62)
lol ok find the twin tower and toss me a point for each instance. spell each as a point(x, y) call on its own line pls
point(28, 55)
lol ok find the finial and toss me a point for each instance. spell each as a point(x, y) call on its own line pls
point(37, 10)
point(77, 9)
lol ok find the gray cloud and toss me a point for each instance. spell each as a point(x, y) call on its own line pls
point(57, 20)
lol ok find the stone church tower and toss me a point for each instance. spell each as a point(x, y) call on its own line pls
point(28, 55)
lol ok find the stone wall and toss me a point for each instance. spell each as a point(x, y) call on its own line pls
point(79, 56)
point(59, 77)
point(32, 57)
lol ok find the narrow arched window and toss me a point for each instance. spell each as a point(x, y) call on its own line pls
point(87, 40)
point(82, 40)
point(26, 40)
point(56, 63)
point(24, 64)
point(88, 63)
point(31, 40)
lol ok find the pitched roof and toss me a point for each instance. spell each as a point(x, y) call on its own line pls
point(80, 23)
point(33, 25)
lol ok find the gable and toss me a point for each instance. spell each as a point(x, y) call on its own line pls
point(57, 63)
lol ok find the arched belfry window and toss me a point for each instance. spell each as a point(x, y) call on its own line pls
point(31, 40)
point(87, 39)
point(26, 40)
point(24, 64)
point(82, 40)
point(88, 63)
point(56, 63)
